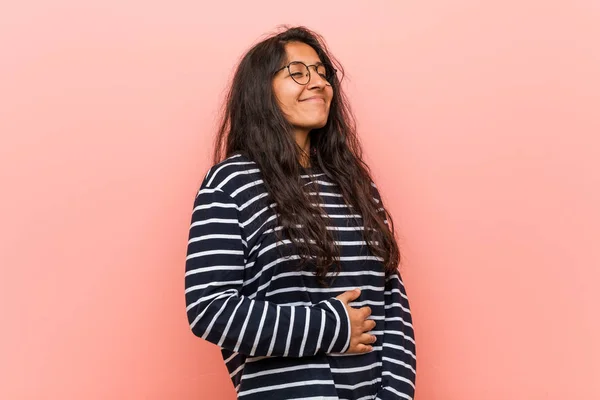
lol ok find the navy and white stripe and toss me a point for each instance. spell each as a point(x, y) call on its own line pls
point(282, 336)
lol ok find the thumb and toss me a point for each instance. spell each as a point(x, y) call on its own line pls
point(350, 295)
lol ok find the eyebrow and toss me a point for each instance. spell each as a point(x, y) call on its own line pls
point(314, 63)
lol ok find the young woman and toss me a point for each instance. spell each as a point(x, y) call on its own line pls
point(292, 263)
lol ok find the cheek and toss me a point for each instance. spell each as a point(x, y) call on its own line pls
point(330, 94)
point(287, 96)
point(290, 99)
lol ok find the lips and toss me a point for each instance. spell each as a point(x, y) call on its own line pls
point(315, 99)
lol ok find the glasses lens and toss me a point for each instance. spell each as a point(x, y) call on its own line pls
point(324, 72)
point(299, 73)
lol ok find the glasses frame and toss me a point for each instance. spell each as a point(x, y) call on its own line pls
point(334, 71)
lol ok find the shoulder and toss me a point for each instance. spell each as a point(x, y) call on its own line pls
point(231, 174)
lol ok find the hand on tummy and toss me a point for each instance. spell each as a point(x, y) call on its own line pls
point(360, 341)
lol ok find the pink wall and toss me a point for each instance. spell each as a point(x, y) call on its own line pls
point(480, 121)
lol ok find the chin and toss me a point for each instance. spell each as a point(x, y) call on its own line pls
point(318, 123)
point(311, 123)
point(315, 126)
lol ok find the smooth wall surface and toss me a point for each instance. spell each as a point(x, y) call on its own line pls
point(480, 121)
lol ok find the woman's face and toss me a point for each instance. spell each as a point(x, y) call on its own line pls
point(306, 107)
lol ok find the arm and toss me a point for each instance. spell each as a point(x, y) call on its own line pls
point(218, 313)
point(398, 345)
point(398, 352)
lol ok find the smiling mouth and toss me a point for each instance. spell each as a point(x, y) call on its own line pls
point(315, 99)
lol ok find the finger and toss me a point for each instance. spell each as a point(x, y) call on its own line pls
point(369, 325)
point(363, 348)
point(345, 297)
point(366, 338)
point(366, 311)
point(349, 296)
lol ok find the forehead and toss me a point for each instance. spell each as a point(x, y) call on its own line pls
point(297, 51)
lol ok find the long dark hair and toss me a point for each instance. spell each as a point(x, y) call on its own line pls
point(253, 124)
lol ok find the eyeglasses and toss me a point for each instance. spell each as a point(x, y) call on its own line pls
point(300, 72)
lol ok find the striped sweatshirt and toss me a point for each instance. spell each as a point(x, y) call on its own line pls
point(281, 334)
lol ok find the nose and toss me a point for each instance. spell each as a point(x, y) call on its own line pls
point(315, 79)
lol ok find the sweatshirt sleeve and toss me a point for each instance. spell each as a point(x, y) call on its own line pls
point(220, 314)
point(398, 350)
point(398, 344)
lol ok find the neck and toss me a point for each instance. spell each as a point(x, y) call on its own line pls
point(303, 141)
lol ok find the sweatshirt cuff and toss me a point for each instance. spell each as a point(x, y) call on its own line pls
point(340, 337)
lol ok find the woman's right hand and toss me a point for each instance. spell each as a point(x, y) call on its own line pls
point(360, 341)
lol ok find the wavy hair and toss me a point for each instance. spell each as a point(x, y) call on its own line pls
point(253, 124)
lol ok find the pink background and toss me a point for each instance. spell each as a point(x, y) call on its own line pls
point(480, 122)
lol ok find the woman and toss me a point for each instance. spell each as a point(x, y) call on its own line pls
point(291, 268)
